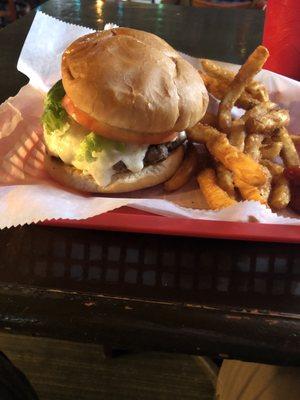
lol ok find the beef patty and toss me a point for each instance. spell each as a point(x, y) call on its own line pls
point(156, 153)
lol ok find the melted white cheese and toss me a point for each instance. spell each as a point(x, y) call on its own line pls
point(102, 168)
point(65, 145)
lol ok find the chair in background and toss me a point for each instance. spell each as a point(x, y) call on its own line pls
point(10, 10)
point(9, 13)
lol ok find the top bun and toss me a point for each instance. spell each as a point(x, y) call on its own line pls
point(133, 80)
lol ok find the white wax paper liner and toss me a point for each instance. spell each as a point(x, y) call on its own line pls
point(28, 195)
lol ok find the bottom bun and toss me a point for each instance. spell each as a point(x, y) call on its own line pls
point(122, 182)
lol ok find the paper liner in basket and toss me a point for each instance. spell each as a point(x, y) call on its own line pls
point(28, 195)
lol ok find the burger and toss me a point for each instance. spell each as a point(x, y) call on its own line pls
point(115, 122)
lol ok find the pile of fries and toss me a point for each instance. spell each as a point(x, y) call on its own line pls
point(245, 157)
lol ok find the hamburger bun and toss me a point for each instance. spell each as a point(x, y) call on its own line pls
point(122, 182)
point(133, 80)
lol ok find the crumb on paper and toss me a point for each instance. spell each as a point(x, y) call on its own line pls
point(251, 218)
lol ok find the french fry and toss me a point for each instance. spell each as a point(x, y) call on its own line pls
point(219, 88)
point(243, 166)
point(289, 153)
point(238, 134)
point(225, 180)
point(216, 71)
point(280, 194)
point(246, 101)
point(215, 87)
point(248, 192)
point(246, 73)
point(268, 123)
point(271, 150)
point(265, 189)
point(233, 159)
point(256, 89)
point(252, 146)
point(215, 197)
point(210, 119)
point(201, 133)
point(187, 169)
point(259, 110)
point(245, 149)
point(275, 169)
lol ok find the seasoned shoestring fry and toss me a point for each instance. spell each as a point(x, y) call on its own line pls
point(275, 169)
point(265, 189)
point(201, 133)
point(288, 153)
point(268, 123)
point(256, 89)
point(214, 87)
point(216, 71)
point(238, 134)
point(271, 150)
point(218, 89)
point(252, 146)
point(259, 110)
point(247, 160)
point(280, 194)
point(245, 74)
point(246, 101)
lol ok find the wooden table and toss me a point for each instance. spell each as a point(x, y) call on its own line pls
point(200, 296)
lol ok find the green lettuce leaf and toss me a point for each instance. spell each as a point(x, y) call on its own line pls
point(54, 116)
point(95, 144)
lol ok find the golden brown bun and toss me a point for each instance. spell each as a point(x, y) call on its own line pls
point(123, 182)
point(133, 80)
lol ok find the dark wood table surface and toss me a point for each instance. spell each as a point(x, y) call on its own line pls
point(145, 292)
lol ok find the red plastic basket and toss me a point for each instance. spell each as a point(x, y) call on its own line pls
point(131, 220)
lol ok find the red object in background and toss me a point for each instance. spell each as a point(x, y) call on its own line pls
point(282, 37)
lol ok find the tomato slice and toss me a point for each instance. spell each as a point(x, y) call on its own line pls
point(118, 134)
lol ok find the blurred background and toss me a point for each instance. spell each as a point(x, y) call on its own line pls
point(10, 10)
